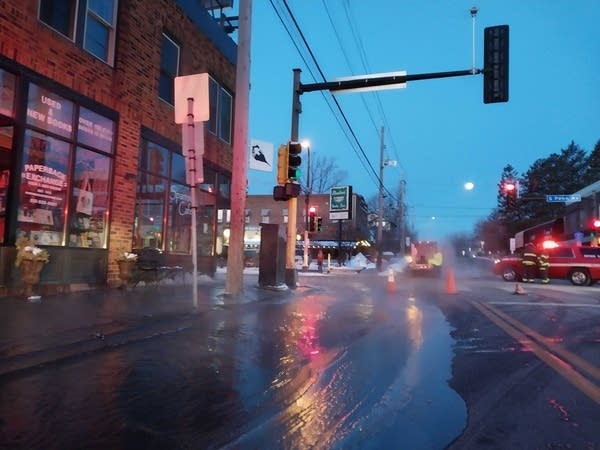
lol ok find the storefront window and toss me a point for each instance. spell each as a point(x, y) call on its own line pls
point(149, 212)
point(206, 222)
point(180, 219)
point(7, 93)
point(43, 193)
point(54, 209)
point(6, 139)
point(207, 202)
point(89, 200)
point(163, 215)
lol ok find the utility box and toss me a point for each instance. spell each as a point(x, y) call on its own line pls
point(271, 260)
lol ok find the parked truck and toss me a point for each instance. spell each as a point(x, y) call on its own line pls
point(426, 258)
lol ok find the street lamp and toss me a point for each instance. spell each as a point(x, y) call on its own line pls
point(306, 144)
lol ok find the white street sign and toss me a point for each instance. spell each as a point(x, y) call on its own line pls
point(195, 87)
point(260, 156)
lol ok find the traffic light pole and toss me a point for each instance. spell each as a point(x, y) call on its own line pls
point(379, 81)
point(291, 276)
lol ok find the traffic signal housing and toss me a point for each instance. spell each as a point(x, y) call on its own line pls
point(495, 64)
point(282, 164)
point(288, 171)
point(312, 219)
point(293, 161)
point(319, 224)
point(510, 189)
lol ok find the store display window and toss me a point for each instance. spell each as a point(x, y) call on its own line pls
point(66, 169)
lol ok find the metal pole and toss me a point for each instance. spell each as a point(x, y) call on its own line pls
point(340, 242)
point(194, 177)
point(290, 265)
point(380, 205)
point(402, 222)
point(306, 205)
point(473, 14)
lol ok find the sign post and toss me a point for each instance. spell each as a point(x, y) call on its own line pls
point(340, 208)
point(191, 110)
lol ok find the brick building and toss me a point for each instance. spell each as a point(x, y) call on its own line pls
point(263, 209)
point(90, 156)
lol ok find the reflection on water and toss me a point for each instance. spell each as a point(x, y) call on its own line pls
point(343, 369)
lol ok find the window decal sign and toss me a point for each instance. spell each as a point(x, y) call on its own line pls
point(49, 111)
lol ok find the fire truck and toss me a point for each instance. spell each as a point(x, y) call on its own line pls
point(426, 258)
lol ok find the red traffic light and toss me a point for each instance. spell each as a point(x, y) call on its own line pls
point(509, 186)
point(312, 210)
point(596, 223)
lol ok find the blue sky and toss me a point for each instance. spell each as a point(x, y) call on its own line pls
point(440, 131)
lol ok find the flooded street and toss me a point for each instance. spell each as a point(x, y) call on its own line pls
point(338, 363)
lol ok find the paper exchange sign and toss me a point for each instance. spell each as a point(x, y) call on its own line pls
point(340, 203)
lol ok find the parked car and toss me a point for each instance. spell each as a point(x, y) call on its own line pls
point(578, 264)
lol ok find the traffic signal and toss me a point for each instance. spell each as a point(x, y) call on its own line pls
point(495, 64)
point(293, 160)
point(282, 164)
point(312, 219)
point(319, 224)
point(510, 189)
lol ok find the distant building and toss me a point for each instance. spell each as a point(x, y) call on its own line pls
point(90, 156)
point(351, 234)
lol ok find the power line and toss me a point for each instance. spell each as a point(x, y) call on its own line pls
point(369, 167)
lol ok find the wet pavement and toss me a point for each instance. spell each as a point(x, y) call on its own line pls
point(336, 363)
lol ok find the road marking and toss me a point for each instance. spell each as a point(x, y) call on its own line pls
point(550, 344)
point(556, 357)
point(567, 305)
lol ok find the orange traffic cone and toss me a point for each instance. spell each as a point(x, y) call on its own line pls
point(391, 281)
point(450, 282)
point(519, 290)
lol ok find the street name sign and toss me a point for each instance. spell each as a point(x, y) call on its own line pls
point(557, 198)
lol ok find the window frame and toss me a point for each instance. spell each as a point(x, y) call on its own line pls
point(217, 122)
point(79, 13)
point(166, 73)
point(109, 56)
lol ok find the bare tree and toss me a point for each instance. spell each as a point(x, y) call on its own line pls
point(324, 174)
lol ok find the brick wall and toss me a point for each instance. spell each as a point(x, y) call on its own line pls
point(130, 87)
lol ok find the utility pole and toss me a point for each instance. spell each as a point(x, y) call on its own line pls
point(402, 222)
point(380, 204)
point(239, 177)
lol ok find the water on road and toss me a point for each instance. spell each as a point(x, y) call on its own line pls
point(339, 363)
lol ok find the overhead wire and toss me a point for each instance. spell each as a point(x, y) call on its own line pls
point(308, 66)
point(365, 159)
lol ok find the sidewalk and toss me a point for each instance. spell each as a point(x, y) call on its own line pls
point(61, 326)
point(65, 325)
